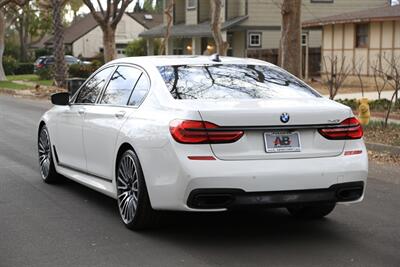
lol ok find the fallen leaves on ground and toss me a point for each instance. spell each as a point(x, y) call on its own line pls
point(384, 158)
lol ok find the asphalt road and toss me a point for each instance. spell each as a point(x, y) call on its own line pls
point(70, 225)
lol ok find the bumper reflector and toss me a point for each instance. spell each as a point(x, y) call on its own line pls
point(201, 158)
point(352, 152)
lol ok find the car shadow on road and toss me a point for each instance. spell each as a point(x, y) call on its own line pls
point(252, 226)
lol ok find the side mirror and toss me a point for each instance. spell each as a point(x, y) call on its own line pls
point(60, 99)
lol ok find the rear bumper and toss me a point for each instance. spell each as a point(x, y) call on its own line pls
point(266, 182)
point(236, 198)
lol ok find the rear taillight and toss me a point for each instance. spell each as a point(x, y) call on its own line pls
point(201, 132)
point(348, 129)
point(39, 66)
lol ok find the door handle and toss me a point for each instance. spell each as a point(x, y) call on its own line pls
point(120, 114)
point(81, 111)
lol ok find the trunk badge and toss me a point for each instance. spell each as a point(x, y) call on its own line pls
point(285, 117)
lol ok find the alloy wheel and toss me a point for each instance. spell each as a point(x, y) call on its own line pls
point(44, 153)
point(127, 188)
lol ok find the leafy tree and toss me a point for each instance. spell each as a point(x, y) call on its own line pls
point(158, 8)
point(136, 48)
point(75, 5)
point(148, 6)
point(108, 19)
point(3, 4)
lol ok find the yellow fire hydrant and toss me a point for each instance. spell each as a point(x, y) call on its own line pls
point(363, 111)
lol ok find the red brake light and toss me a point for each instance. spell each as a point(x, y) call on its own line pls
point(348, 129)
point(201, 132)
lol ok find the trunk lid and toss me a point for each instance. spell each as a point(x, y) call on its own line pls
point(258, 118)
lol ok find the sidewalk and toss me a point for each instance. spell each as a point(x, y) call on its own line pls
point(369, 95)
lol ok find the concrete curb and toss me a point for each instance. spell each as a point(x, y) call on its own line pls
point(394, 150)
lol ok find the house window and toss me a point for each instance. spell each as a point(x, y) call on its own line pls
point(362, 35)
point(304, 39)
point(254, 39)
point(192, 4)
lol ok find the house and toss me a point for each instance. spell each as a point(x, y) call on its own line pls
point(251, 27)
point(84, 37)
point(366, 39)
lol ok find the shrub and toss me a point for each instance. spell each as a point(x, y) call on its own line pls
point(136, 48)
point(352, 103)
point(81, 70)
point(9, 64)
point(97, 63)
point(379, 105)
point(45, 73)
point(11, 48)
point(374, 105)
point(24, 68)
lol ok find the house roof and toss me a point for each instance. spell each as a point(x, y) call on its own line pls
point(143, 19)
point(87, 23)
point(194, 30)
point(368, 15)
point(77, 29)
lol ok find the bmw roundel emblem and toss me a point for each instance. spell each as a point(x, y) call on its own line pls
point(285, 117)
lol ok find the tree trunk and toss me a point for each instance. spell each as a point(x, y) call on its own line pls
point(169, 13)
point(58, 46)
point(23, 38)
point(2, 34)
point(221, 45)
point(109, 43)
point(290, 47)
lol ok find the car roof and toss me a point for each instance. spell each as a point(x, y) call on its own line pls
point(186, 60)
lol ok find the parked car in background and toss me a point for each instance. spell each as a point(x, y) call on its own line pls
point(45, 61)
point(204, 134)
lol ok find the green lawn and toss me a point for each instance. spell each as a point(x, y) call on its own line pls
point(29, 78)
point(12, 85)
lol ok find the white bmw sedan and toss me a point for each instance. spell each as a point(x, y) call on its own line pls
point(197, 133)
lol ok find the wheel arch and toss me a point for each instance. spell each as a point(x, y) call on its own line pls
point(122, 148)
point(41, 124)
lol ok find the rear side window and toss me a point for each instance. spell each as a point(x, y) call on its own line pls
point(120, 86)
point(40, 60)
point(232, 81)
point(140, 91)
point(50, 60)
point(90, 91)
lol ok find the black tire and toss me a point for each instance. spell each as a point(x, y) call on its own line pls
point(311, 211)
point(139, 214)
point(46, 162)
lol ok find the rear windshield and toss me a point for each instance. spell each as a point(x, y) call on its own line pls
point(232, 81)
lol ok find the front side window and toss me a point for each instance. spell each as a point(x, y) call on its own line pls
point(362, 35)
point(232, 81)
point(120, 86)
point(90, 91)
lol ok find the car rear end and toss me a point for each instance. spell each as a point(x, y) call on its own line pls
point(39, 64)
point(260, 137)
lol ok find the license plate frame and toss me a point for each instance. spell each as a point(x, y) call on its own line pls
point(273, 145)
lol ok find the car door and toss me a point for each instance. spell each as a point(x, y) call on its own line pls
point(69, 147)
point(104, 120)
